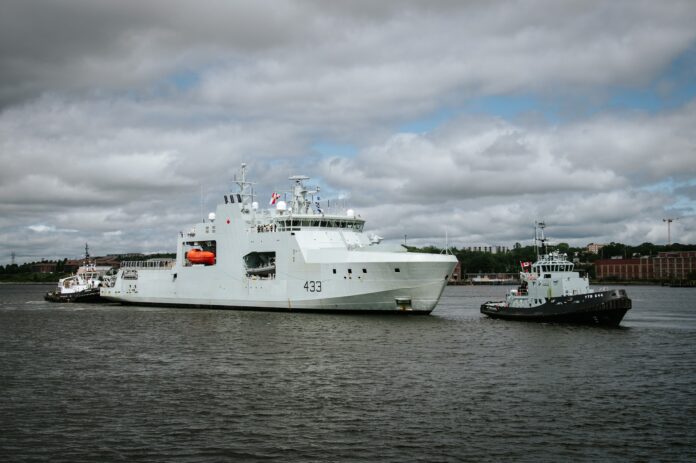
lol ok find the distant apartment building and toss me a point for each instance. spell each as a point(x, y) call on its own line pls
point(594, 248)
point(666, 266)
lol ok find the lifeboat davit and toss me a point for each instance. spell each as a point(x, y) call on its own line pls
point(196, 256)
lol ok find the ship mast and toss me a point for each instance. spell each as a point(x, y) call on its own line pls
point(244, 186)
point(300, 203)
point(539, 236)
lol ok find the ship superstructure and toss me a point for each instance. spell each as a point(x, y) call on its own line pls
point(293, 256)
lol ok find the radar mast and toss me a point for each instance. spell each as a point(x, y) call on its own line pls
point(300, 203)
point(539, 237)
point(244, 187)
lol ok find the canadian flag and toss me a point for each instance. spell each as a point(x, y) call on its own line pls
point(274, 198)
point(525, 265)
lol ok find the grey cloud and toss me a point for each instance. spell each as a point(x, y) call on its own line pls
point(96, 134)
point(325, 56)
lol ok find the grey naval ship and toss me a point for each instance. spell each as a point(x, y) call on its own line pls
point(551, 291)
point(291, 256)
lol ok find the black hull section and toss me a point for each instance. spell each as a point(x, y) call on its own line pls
point(90, 295)
point(605, 308)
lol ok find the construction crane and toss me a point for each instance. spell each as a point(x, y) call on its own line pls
point(669, 223)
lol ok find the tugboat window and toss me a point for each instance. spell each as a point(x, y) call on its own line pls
point(397, 270)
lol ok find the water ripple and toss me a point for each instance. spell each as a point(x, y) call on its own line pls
point(111, 383)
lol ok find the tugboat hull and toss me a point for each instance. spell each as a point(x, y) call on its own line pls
point(88, 295)
point(605, 308)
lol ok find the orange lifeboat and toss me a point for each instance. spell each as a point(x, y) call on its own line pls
point(196, 256)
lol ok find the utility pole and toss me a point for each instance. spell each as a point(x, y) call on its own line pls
point(669, 235)
point(13, 255)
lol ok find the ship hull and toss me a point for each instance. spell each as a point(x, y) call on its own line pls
point(417, 294)
point(420, 299)
point(605, 308)
point(89, 295)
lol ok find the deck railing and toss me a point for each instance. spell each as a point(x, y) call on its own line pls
point(161, 264)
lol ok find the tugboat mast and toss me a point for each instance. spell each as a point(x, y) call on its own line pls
point(539, 236)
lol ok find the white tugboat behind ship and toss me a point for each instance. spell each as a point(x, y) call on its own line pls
point(553, 292)
point(290, 257)
point(83, 286)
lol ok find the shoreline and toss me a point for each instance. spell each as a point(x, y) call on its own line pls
point(44, 283)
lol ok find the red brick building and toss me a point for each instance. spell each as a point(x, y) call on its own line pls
point(674, 264)
point(43, 267)
point(666, 266)
point(640, 268)
point(456, 276)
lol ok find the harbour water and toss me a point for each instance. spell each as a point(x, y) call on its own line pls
point(84, 382)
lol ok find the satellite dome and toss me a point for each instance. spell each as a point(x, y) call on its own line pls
point(281, 206)
point(255, 205)
point(350, 213)
point(211, 216)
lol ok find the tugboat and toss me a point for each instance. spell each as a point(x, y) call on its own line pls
point(81, 287)
point(552, 292)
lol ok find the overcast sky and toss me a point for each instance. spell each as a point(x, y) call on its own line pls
point(471, 119)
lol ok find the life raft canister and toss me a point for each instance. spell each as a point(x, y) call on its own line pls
point(197, 256)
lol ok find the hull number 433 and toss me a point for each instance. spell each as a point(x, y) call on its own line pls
point(312, 286)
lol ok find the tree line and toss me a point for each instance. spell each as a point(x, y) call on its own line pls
point(509, 262)
point(471, 261)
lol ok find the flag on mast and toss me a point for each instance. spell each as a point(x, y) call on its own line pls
point(274, 198)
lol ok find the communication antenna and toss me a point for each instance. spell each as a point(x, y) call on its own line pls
point(13, 255)
point(447, 249)
point(202, 216)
